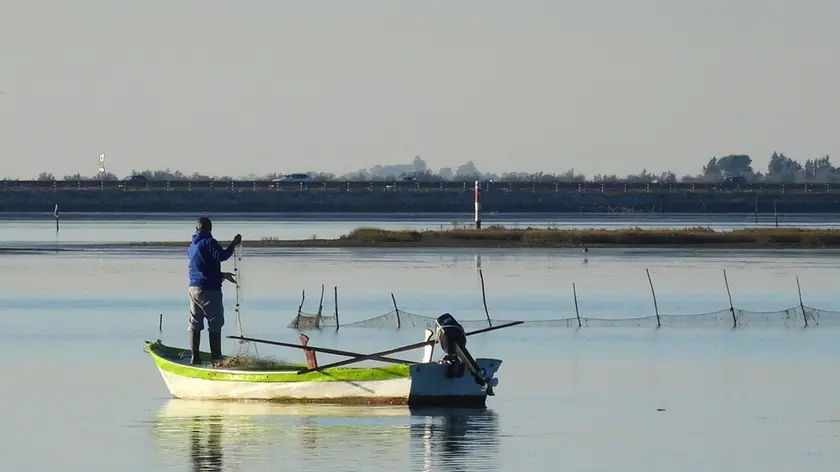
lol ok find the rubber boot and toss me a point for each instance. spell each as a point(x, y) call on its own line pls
point(215, 345)
point(195, 343)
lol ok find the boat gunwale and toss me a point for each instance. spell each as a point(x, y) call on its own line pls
point(157, 349)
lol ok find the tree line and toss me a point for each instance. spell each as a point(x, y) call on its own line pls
point(780, 169)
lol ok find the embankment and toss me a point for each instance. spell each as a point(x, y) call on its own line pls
point(496, 236)
point(245, 201)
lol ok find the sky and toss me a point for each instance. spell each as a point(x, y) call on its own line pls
point(234, 88)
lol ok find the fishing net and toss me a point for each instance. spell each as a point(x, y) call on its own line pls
point(305, 320)
point(243, 348)
point(797, 317)
point(316, 320)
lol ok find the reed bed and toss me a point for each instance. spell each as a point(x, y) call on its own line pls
point(499, 236)
point(543, 237)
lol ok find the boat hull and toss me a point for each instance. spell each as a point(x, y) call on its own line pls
point(422, 384)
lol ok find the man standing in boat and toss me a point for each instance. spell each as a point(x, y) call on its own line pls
point(206, 256)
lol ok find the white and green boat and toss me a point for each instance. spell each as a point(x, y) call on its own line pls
point(456, 380)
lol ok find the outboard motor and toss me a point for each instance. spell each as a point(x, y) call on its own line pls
point(453, 341)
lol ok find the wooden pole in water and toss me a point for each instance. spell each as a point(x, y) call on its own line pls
point(484, 297)
point(336, 308)
point(775, 214)
point(321, 302)
point(577, 311)
point(396, 309)
point(320, 309)
point(801, 304)
point(300, 308)
point(731, 306)
point(655, 306)
point(160, 326)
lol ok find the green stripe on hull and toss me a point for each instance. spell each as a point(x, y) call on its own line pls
point(160, 352)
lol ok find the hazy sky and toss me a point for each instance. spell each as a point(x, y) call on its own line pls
point(228, 87)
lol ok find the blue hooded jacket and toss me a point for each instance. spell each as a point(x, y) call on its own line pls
point(206, 257)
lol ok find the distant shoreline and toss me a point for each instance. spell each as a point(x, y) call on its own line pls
point(500, 237)
point(454, 198)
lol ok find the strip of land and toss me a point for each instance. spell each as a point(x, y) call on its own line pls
point(501, 237)
point(766, 202)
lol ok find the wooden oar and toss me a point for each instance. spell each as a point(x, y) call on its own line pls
point(376, 355)
point(493, 328)
point(322, 349)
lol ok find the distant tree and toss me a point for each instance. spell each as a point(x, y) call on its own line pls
point(605, 178)
point(692, 178)
point(446, 173)
point(427, 176)
point(782, 168)
point(107, 176)
point(515, 177)
point(644, 176)
point(269, 176)
point(733, 165)
point(323, 176)
point(736, 165)
point(468, 171)
point(570, 176)
point(820, 170)
point(712, 171)
point(358, 176)
point(668, 177)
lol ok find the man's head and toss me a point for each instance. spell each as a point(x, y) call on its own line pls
point(204, 224)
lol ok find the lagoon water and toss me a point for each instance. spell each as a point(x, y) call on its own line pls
point(16, 229)
point(79, 393)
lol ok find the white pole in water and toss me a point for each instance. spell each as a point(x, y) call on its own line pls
point(477, 208)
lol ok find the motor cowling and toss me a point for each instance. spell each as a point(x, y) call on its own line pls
point(453, 341)
point(450, 334)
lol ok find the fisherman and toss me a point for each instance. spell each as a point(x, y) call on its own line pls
point(206, 256)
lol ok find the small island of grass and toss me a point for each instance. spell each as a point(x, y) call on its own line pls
point(501, 237)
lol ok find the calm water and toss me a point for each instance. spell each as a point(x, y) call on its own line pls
point(81, 395)
point(19, 229)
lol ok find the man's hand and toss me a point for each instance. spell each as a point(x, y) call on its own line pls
point(237, 240)
point(229, 277)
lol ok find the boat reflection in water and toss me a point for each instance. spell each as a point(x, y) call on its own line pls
point(455, 439)
point(206, 443)
point(222, 436)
